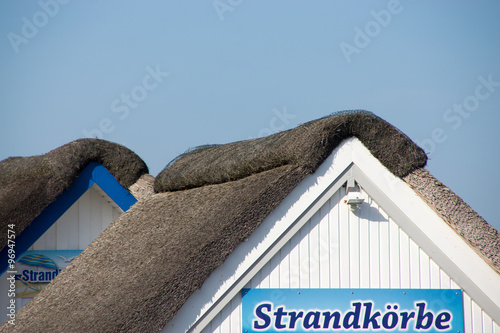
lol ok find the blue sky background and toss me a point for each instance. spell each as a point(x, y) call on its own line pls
point(235, 65)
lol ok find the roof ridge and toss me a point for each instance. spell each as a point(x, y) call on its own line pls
point(306, 145)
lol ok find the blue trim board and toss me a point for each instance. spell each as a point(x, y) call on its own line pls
point(108, 183)
point(94, 173)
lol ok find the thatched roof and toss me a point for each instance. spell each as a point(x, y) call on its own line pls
point(143, 187)
point(29, 184)
point(306, 146)
point(139, 272)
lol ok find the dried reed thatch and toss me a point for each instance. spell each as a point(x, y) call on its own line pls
point(470, 225)
point(306, 146)
point(143, 187)
point(29, 184)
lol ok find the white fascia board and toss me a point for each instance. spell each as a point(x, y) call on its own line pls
point(434, 235)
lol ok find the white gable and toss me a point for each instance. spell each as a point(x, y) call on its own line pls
point(340, 249)
point(74, 230)
point(81, 223)
point(314, 240)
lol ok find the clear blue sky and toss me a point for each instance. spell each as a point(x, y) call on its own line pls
point(161, 76)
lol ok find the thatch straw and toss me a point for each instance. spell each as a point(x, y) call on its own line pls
point(470, 225)
point(306, 146)
point(143, 187)
point(29, 184)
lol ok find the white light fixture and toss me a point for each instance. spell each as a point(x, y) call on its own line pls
point(354, 198)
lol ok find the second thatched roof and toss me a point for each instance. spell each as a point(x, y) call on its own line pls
point(29, 184)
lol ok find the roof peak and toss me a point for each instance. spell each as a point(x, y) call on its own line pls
point(307, 146)
point(29, 184)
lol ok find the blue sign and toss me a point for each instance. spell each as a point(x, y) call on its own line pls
point(36, 269)
point(358, 310)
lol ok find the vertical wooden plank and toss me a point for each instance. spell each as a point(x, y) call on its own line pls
point(445, 280)
point(265, 280)
point(487, 323)
point(394, 249)
point(334, 241)
point(385, 266)
point(344, 243)
point(215, 324)
point(274, 275)
point(285, 265)
point(364, 246)
point(295, 261)
point(257, 279)
point(404, 247)
point(467, 313)
point(51, 237)
point(414, 265)
point(96, 204)
point(107, 216)
point(304, 255)
point(254, 283)
point(354, 249)
point(477, 318)
point(236, 314)
point(425, 275)
point(71, 230)
point(84, 221)
point(324, 246)
point(435, 275)
point(225, 325)
point(496, 328)
point(314, 269)
point(63, 229)
point(374, 250)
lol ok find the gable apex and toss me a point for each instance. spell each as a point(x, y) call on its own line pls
point(349, 161)
point(94, 173)
point(29, 184)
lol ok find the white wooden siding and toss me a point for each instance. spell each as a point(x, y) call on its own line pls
point(75, 230)
point(338, 248)
point(81, 223)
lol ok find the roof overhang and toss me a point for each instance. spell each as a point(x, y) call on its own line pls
point(351, 160)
